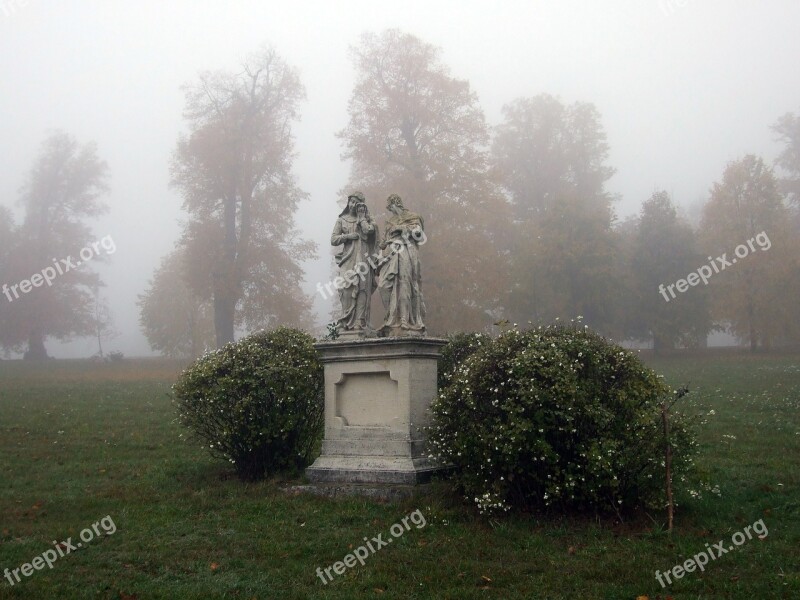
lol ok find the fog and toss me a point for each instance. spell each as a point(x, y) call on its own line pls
point(683, 87)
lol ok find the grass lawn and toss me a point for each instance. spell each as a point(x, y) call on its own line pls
point(81, 441)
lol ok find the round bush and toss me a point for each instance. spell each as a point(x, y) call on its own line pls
point(459, 347)
point(257, 403)
point(556, 416)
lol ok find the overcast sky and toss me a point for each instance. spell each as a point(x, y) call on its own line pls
point(683, 87)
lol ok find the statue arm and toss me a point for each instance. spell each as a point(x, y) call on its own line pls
point(338, 237)
point(368, 226)
point(386, 232)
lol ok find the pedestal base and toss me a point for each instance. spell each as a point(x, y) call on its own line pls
point(356, 469)
point(377, 396)
point(387, 332)
point(357, 334)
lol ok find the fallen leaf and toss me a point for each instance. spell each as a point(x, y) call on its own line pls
point(735, 578)
point(571, 550)
point(214, 566)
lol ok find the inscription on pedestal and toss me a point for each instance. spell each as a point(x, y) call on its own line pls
point(368, 400)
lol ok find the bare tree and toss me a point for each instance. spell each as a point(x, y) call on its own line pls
point(234, 173)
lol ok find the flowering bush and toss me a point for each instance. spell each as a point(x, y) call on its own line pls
point(257, 403)
point(459, 347)
point(556, 416)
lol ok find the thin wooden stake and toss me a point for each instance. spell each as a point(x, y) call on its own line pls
point(668, 464)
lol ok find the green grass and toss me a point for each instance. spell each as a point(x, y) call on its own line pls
point(81, 441)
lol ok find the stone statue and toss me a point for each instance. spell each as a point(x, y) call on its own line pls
point(357, 232)
point(400, 278)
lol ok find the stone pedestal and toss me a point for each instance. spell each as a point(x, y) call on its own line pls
point(377, 395)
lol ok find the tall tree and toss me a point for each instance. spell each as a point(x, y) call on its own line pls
point(788, 130)
point(176, 321)
point(62, 191)
point(753, 294)
point(663, 251)
point(234, 171)
point(8, 234)
point(551, 159)
point(417, 131)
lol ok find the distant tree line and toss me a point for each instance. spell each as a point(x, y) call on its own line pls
point(519, 221)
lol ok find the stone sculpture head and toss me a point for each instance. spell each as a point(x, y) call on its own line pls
point(395, 204)
point(352, 200)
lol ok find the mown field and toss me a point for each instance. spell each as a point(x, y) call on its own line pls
point(80, 441)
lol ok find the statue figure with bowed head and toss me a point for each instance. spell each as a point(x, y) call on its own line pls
point(400, 277)
point(355, 230)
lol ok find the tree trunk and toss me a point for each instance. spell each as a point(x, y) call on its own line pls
point(224, 311)
point(193, 335)
point(36, 349)
point(227, 280)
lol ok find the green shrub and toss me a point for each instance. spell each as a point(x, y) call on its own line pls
point(556, 417)
point(459, 347)
point(257, 403)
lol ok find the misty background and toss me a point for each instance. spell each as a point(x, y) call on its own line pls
point(682, 88)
